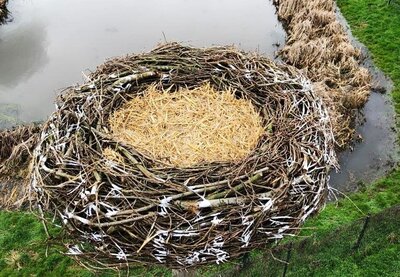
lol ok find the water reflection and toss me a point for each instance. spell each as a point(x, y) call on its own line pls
point(81, 34)
point(22, 53)
point(9, 115)
point(378, 152)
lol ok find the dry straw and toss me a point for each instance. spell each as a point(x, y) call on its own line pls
point(189, 127)
point(120, 206)
point(16, 147)
point(318, 44)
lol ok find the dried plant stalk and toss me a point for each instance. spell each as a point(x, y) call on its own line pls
point(318, 44)
point(16, 146)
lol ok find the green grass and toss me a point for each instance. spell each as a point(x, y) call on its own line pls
point(327, 252)
point(334, 253)
point(375, 198)
point(25, 251)
point(376, 25)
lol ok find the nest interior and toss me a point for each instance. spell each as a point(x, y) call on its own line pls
point(189, 127)
point(120, 206)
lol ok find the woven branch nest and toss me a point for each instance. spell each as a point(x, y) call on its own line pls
point(138, 210)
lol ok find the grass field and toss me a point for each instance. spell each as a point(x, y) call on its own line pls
point(328, 250)
point(376, 24)
point(335, 253)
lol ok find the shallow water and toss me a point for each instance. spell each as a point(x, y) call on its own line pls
point(51, 42)
point(377, 154)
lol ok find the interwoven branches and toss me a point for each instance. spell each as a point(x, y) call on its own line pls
point(139, 210)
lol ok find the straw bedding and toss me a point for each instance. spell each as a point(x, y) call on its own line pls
point(318, 44)
point(121, 205)
point(189, 127)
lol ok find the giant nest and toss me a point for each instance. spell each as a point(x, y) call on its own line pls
point(122, 204)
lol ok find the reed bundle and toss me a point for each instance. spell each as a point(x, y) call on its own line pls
point(318, 44)
point(16, 146)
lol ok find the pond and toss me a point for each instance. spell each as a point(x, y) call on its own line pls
point(51, 44)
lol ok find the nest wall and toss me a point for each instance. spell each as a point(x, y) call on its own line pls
point(139, 210)
point(318, 44)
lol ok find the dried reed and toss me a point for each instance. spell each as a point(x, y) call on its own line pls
point(16, 146)
point(318, 44)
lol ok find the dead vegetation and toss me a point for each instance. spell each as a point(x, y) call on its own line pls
point(16, 146)
point(189, 127)
point(318, 44)
point(4, 13)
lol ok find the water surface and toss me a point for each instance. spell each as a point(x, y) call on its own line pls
point(50, 42)
point(379, 152)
